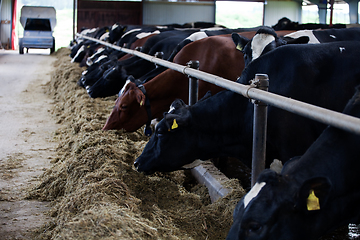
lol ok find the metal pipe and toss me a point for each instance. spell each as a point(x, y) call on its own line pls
point(328, 117)
point(193, 84)
point(259, 129)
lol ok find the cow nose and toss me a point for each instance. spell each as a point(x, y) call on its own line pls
point(136, 164)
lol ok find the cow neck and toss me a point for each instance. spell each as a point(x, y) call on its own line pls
point(164, 89)
point(147, 130)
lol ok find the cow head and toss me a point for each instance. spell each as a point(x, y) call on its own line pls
point(116, 32)
point(285, 24)
point(279, 208)
point(265, 40)
point(128, 111)
point(174, 127)
point(108, 85)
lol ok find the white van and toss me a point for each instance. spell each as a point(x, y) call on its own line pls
point(39, 24)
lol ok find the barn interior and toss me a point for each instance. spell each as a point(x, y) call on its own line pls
point(90, 14)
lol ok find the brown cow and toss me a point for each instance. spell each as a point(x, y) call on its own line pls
point(217, 55)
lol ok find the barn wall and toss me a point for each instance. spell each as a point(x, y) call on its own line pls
point(274, 10)
point(177, 12)
point(105, 13)
point(5, 26)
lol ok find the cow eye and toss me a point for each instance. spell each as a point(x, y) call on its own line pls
point(123, 107)
point(160, 131)
point(254, 227)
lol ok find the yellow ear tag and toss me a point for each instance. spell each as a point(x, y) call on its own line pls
point(175, 125)
point(141, 103)
point(238, 47)
point(313, 202)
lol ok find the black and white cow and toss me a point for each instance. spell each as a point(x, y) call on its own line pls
point(314, 194)
point(222, 124)
point(266, 40)
point(86, 47)
point(169, 43)
point(164, 42)
point(326, 35)
point(115, 32)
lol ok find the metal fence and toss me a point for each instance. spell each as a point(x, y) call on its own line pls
point(258, 93)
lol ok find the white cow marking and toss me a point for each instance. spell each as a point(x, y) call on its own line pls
point(104, 36)
point(100, 58)
point(332, 36)
point(259, 42)
point(171, 108)
point(82, 48)
point(211, 29)
point(130, 31)
point(276, 166)
point(86, 31)
point(145, 34)
point(304, 33)
point(197, 36)
point(123, 88)
point(162, 27)
point(89, 61)
point(98, 51)
point(341, 49)
point(253, 193)
point(114, 26)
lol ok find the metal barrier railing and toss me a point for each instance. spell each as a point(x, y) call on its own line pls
point(328, 117)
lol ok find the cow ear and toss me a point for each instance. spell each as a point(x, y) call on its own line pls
point(206, 96)
point(239, 41)
point(174, 121)
point(131, 78)
point(140, 97)
point(177, 104)
point(313, 194)
point(129, 86)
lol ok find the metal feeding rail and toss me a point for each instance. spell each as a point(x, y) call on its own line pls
point(258, 93)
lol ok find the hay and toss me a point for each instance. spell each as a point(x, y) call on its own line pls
point(96, 193)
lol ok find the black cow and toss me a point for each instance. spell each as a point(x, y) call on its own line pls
point(286, 24)
point(320, 74)
point(327, 35)
point(115, 32)
point(193, 37)
point(169, 43)
point(266, 40)
point(94, 74)
point(96, 71)
point(87, 47)
point(314, 194)
point(164, 42)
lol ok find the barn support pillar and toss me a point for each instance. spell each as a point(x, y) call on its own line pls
point(322, 12)
point(353, 11)
point(261, 81)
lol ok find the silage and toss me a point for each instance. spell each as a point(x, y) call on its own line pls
point(96, 193)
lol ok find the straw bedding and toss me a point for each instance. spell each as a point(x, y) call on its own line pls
point(94, 190)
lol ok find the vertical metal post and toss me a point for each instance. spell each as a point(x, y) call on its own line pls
point(193, 84)
point(74, 10)
point(259, 129)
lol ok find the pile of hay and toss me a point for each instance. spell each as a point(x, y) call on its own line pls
point(96, 193)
